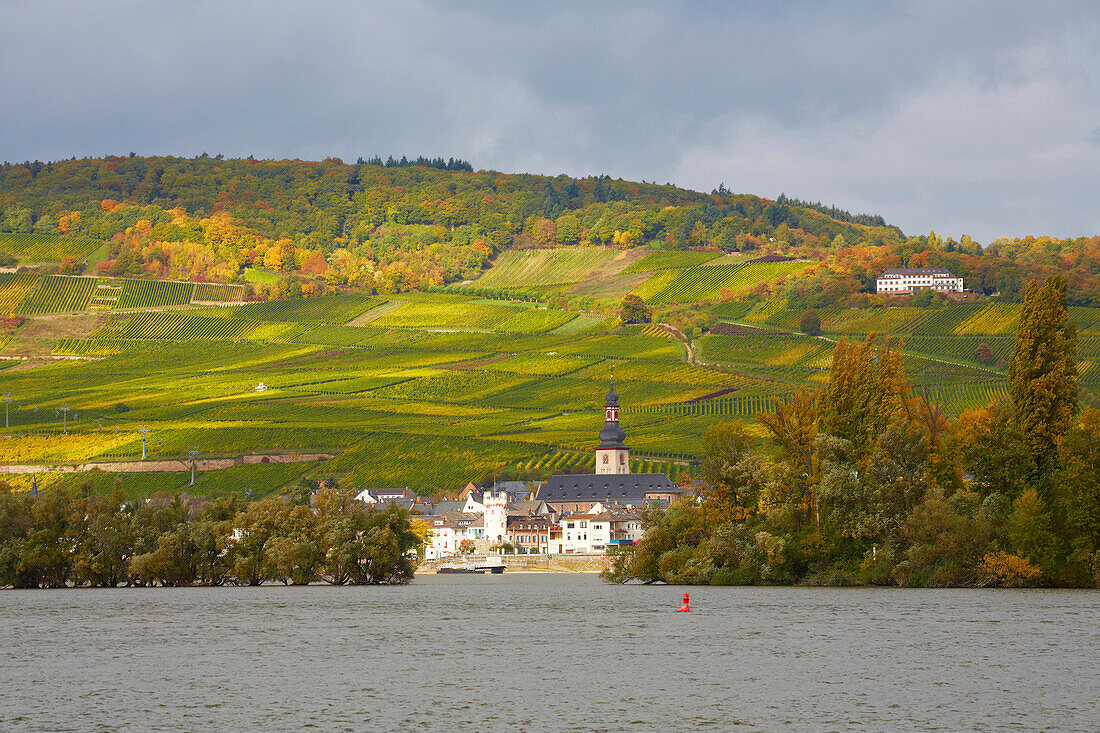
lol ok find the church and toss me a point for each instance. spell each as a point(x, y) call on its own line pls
point(612, 484)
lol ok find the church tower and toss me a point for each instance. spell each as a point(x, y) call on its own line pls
point(612, 455)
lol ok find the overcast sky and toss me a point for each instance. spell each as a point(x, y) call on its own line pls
point(978, 118)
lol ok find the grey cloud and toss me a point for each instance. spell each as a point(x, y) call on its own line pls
point(973, 119)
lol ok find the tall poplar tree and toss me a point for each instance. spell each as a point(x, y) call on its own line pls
point(1043, 371)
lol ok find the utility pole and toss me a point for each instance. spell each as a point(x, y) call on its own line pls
point(143, 430)
point(193, 452)
point(64, 410)
point(7, 403)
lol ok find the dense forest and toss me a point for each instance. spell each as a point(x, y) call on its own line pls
point(865, 481)
point(407, 224)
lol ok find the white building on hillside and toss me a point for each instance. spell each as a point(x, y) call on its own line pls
point(903, 280)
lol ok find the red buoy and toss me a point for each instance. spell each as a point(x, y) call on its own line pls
point(684, 608)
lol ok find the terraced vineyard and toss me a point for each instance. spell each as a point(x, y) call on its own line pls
point(47, 247)
point(58, 294)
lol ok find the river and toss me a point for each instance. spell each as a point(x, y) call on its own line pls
point(548, 653)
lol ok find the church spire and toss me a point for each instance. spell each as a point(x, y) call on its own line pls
point(612, 454)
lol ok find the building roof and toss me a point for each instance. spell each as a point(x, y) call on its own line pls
point(624, 488)
point(528, 508)
point(516, 490)
point(898, 271)
point(443, 507)
point(515, 521)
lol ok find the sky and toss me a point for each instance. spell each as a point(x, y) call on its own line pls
point(966, 117)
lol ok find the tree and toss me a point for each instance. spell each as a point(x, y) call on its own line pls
point(568, 229)
point(730, 472)
point(793, 427)
point(1077, 483)
point(866, 387)
point(810, 323)
point(1043, 371)
point(923, 298)
point(1029, 526)
point(983, 354)
point(634, 310)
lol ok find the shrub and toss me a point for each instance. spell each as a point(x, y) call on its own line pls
point(1001, 569)
point(810, 323)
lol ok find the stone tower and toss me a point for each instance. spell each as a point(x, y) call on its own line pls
point(612, 455)
point(496, 517)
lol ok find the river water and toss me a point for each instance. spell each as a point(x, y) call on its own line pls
point(548, 653)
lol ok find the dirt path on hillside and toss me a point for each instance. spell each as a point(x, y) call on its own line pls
point(163, 466)
point(688, 344)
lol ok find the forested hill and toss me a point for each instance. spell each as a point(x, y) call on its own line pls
point(403, 225)
point(408, 225)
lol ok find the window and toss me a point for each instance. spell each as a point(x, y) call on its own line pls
point(584, 525)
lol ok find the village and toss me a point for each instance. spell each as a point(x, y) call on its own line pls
point(572, 514)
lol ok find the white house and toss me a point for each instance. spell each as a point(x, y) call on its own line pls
point(448, 532)
point(586, 533)
point(904, 280)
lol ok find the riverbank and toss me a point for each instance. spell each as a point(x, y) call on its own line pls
point(592, 564)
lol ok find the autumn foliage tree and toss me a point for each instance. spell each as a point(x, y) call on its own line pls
point(1043, 371)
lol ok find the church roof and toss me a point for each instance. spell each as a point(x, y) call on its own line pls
point(612, 436)
point(624, 488)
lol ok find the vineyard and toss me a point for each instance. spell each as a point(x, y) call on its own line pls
point(438, 389)
point(217, 293)
point(57, 294)
point(154, 293)
point(995, 318)
point(542, 267)
point(14, 288)
point(173, 326)
point(470, 316)
point(47, 247)
point(671, 260)
point(334, 309)
point(772, 348)
point(708, 282)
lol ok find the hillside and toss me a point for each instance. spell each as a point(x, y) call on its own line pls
point(458, 324)
point(431, 390)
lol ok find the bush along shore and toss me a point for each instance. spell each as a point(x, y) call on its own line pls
point(74, 537)
point(864, 482)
